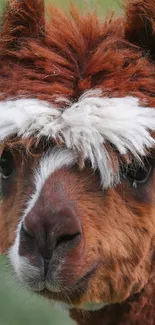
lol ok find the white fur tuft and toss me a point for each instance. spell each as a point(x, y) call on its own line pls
point(56, 160)
point(84, 126)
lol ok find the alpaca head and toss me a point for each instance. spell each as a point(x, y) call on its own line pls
point(77, 151)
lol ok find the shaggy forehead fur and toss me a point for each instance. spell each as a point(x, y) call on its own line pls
point(60, 62)
point(76, 54)
point(85, 128)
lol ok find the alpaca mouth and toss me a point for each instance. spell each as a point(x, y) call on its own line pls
point(53, 285)
point(71, 296)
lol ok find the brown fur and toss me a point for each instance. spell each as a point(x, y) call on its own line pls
point(136, 311)
point(67, 57)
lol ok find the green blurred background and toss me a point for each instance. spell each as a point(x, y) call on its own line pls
point(18, 307)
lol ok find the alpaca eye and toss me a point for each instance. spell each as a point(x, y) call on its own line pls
point(139, 174)
point(6, 164)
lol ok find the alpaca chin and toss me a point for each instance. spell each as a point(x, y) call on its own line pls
point(139, 309)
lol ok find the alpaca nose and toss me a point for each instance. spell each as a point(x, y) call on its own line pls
point(49, 233)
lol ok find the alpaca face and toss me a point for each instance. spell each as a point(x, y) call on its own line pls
point(77, 160)
point(71, 240)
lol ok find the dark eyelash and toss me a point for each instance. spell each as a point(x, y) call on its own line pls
point(138, 172)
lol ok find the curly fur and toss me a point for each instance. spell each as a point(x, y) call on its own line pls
point(85, 127)
point(55, 63)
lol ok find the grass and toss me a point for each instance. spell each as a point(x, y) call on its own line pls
point(17, 307)
point(102, 5)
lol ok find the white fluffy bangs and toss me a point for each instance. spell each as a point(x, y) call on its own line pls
point(85, 126)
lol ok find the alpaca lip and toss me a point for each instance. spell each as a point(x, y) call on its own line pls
point(81, 282)
point(87, 276)
point(51, 283)
point(62, 294)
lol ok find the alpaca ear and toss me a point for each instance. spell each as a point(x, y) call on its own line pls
point(22, 19)
point(140, 24)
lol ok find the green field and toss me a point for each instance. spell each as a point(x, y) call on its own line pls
point(17, 307)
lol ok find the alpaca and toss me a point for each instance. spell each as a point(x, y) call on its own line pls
point(77, 161)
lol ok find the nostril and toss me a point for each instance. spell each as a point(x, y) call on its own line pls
point(26, 231)
point(68, 239)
